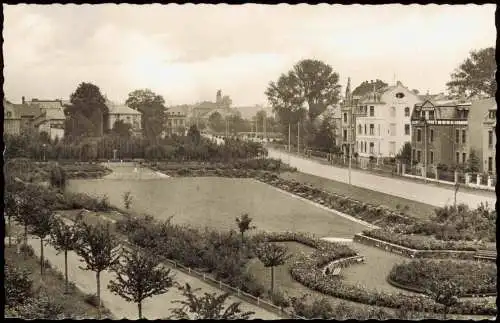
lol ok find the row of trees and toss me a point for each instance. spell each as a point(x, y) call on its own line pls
point(302, 94)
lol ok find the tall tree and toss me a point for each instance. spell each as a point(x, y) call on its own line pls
point(152, 107)
point(444, 292)
point(216, 122)
point(244, 224)
point(64, 238)
point(310, 86)
point(209, 307)
point(140, 277)
point(474, 162)
point(272, 255)
point(122, 129)
point(86, 114)
point(98, 248)
point(367, 87)
point(41, 226)
point(476, 75)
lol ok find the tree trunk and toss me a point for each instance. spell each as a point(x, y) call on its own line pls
point(66, 287)
point(25, 234)
point(41, 257)
point(242, 238)
point(98, 279)
point(272, 279)
point(139, 306)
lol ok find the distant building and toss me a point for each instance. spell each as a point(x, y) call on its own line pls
point(176, 120)
point(11, 119)
point(203, 110)
point(383, 121)
point(488, 133)
point(347, 131)
point(51, 118)
point(124, 113)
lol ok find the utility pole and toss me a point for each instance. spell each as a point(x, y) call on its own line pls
point(289, 148)
point(298, 137)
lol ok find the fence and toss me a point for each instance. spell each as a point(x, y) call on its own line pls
point(225, 287)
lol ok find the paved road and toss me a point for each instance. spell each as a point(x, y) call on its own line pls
point(157, 307)
point(414, 191)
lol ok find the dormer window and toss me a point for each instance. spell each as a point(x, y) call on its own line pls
point(417, 114)
point(431, 115)
point(400, 95)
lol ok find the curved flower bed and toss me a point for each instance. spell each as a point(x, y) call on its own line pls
point(306, 270)
point(421, 243)
point(474, 278)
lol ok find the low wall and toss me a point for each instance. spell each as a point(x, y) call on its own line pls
point(413, 253)
point(470, 185)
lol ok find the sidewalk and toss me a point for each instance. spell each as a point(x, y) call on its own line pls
point(157, 307)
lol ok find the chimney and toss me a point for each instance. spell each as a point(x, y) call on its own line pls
point(23, 99)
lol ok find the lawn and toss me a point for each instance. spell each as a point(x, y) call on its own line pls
point(216, 202)
point(416, 209)
point(52, 285)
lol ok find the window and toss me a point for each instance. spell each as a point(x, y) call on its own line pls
point(357, 144)
point(413, 155)
point(457, 136)
point(365, 129)
point(417, 114)
point(431, 115)
point(490, 138)
point(431, 135)
point(463, 137)
point(457, 157)
point(372, 147)
point(432, 157)
point(372, 111)
point(345, 117)
point(419, 135)
point(392, 129)
point(466, 114)
point(419, 156)
point(400, 95)
point(359, 129)
point(407, 129)
point(393, 112)
point(9, 114)
point(490, 164)
point(492, 114)
point(392, 147)
point(372, 129)
point(407, 112)
point(345, 135)
point(464, 158)
point(365, 146)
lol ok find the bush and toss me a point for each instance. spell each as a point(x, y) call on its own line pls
point(279, 299)
point(18, 286)
point(91, 299)
point(474, 278)
point(27, 250)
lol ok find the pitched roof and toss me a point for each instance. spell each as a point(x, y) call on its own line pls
point(9, 111)
point(122, 109)
point(178, 110)
point(24, 110)
point(46, 104)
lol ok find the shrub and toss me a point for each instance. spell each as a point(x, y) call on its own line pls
point(18, 286)
point(91, 299)
point(279, 299)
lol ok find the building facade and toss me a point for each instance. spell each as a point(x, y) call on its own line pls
point(347, 129)
point(440, 133)
point(123, 113)
point(489, 139)
point(383, 121)
point(11, 119)
point(176, 121)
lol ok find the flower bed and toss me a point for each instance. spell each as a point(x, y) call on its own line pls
point(422, 243)
point(474, 278)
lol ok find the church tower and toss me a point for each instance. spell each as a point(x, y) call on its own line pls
point(218, 98)
point(347, 100)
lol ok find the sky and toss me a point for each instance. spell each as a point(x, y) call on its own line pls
point(187, 52)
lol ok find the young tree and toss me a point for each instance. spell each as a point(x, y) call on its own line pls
point(127, 199)
point(64, 238)
point(140, 277)
point(30, 204)
point(444, 292)
point(476, 75)
point(272, 255)
point(98, 248)
point(58, 177)
point(41, 225)
point(474, 162)
point(243, 223)
point(209, 307)
point(404, 154)
point(194, 134)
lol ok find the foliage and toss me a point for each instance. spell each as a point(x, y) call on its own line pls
point(216, 122)
point(97, 247)
point(85, 115)
point(272, 255)
point(64, 238)
point(209, 306)
point(140, 277)
point(476, 75)
point(474, 162)
point(443, 291)
point(122, 129)
point(151, 105)
point(324, 138)
point(404, 154)
point(58, 177)
point(473, 278)
point(18, 286)
point(310, 81)
point(41, 226)
point(194, 134)
point(367, 87)
point(127, 199)
point(244, 224)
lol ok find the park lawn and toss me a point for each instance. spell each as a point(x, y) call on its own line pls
point(215, 202)
point(416, 209)
point(53, 285)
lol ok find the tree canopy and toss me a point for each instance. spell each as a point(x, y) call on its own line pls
point(86, 114)
point(216, 122)
point(122, 129)
point(151, 105)
point(476, 75)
